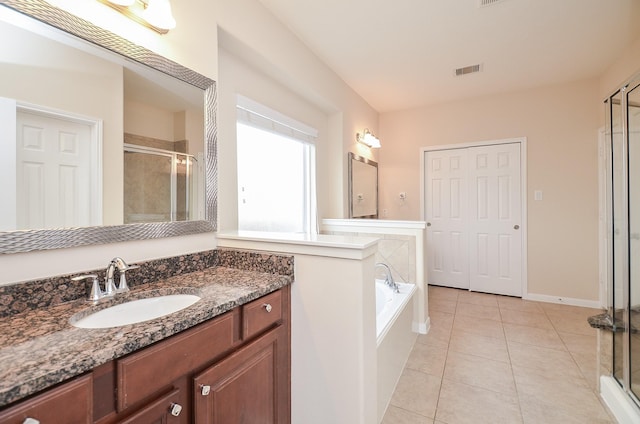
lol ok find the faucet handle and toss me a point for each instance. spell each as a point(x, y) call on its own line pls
point(96, 293)
point(122, 283)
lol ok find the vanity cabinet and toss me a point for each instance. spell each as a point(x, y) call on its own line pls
point(252, 384)
point(70, 402)
point(234, 368)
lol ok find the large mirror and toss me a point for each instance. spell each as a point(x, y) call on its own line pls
point(363, 187)
point(102, 140)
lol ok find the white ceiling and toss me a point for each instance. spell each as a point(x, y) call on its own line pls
point(400, 54)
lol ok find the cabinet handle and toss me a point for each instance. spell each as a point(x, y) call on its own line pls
point(30, 420)
point(175, 409)
point(205, 390)
point(267, 306)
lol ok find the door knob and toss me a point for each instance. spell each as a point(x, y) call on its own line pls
point(428, 224)
point(515, 227)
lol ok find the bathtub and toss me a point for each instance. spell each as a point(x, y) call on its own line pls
point(389, 305)
point(395, 338)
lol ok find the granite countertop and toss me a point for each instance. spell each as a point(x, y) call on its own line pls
point(40, 348)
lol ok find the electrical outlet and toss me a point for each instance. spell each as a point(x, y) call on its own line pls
point(385, 213)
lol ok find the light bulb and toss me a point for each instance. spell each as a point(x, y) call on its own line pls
point(158, 13)
point(123, 2)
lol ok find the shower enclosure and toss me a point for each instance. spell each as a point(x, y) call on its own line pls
point(159, 185)
point(622, 360)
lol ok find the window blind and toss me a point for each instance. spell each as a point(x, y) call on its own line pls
point(252, 113)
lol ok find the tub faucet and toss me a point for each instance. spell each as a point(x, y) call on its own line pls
point(389, 277)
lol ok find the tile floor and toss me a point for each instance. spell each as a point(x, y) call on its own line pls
point(497, 359)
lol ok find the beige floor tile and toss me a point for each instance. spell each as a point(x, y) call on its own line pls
point(544, 360)
point(588, 364)
point(531, 319)
point(476, 298)
point(483, 327)
point(460, 404)
point(533, 336)
point(443, 293)
point(535, 412)
point(499, 359)
point(447, 306)
point(396, 415)
point(474, 344)
point(417, 392)
point(441, 318)
point(518, 304)
point(440, 334)
point(480, 372)
point(569, 322)
point(478, 311)
point(568, 397)
point(579, 343)
point(432, 339)
point(428, 359)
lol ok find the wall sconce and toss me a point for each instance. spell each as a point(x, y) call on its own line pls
point(153, 14)
point(369, 139)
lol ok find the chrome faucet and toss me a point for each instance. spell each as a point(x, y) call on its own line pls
point(119, 264)
point(110, 288)
point(389, 281)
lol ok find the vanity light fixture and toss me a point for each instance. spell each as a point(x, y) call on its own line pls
point(153, 14)
point(368, 138)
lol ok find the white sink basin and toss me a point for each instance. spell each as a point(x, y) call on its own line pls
point(136, 311)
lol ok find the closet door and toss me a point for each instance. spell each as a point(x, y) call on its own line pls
point(473, 213)
point(446, 216)
point(495, 237)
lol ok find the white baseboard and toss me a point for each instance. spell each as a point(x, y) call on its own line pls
point(563, 300)
point(618, 402)
point(421, 328)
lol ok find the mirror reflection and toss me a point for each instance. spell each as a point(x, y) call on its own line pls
point(363, 187)
point(90, 138)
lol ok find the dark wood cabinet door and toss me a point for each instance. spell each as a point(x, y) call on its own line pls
point(70, 403)
point(249, 387)
point(166, 410)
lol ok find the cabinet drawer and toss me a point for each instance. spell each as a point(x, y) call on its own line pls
point(159, 411)
point(143, 373)
point(261, 314)
point(68, 403)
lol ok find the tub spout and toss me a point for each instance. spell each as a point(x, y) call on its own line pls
point(388, 277)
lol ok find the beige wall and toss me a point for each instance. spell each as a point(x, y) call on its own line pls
point(561, 125)
point(194, 43)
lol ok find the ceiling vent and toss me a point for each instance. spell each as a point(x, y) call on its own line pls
point(468, 70)
point(483, 3)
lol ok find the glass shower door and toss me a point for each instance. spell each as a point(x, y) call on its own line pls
point(633, 136)
point(618, 184)
point(623, 133)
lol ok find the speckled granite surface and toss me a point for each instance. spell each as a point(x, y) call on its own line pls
point(39, 347)
point(19, 298)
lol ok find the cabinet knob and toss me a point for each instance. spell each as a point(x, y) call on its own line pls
point(267, 306)
point(175, 409)
point(30, 420)
point(205, 390)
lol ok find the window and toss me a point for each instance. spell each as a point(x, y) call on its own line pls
point(276, 175)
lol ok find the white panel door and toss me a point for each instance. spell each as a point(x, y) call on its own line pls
point(53, 172)
point(495, 237)
point(446, 215)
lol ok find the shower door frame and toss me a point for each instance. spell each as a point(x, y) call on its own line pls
point(191, 174)
point(622, 400)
